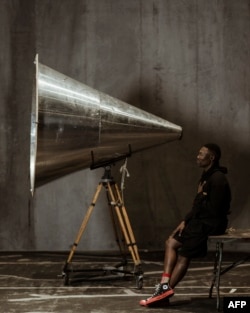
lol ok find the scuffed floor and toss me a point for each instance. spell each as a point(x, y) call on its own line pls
point(32, 282)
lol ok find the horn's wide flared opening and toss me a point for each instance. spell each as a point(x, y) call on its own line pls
point(33, 129)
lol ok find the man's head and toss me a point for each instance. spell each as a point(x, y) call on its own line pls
point(208, 155)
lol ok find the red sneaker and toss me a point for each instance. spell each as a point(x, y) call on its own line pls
point(162, 291)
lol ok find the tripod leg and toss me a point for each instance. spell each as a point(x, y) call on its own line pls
point(133, 242)
point(117, 232)
point(83, 226)
point(127, 222)
point(125, 225)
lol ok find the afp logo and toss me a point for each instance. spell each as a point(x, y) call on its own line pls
point(236, 304)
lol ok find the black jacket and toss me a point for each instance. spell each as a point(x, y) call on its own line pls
point(213, 204)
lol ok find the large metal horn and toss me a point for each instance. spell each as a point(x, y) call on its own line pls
point(74, 127)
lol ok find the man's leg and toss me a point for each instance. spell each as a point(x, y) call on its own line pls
point(170, 259)
point(179, 271)
point(163, 290)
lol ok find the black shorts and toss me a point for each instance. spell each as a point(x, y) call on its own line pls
point(194, 239)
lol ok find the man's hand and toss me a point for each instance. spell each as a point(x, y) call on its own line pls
point(179, 229)
point(200, 187)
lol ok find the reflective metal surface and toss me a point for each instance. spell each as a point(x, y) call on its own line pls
point(74, 127)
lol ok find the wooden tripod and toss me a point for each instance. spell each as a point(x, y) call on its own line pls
point(117, 208)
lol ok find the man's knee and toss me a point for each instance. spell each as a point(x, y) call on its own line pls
point(168, 243)
point(171, 243)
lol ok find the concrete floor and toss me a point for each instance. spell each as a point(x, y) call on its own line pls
point(31, 282)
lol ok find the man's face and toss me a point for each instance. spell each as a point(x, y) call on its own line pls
point(205, 158)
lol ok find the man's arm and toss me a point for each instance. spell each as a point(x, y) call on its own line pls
point(178, 229)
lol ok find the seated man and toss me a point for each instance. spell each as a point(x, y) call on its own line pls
point(208, 216)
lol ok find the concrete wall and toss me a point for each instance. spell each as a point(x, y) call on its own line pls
point(17, 53)
point(186, 61)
